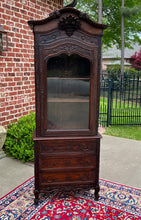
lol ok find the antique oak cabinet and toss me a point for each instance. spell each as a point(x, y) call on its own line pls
point(67, 75)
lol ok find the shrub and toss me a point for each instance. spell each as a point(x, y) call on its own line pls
point(136, 60)
point(19, 143)
point(114, 74)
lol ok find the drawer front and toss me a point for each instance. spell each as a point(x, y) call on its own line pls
point(62, 161)
point(64, 177)
point(67, 146)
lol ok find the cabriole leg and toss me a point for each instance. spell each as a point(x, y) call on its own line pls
point(36, 200)
point(97, 189)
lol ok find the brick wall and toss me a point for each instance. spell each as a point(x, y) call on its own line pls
point(17, 64)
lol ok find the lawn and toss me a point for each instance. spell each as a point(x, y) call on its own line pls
point(130, 132)
point(121, 112)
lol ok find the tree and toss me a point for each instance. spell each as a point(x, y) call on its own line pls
point(112, 16)
point(100, 11)
point(136, 60)
point(122, 41)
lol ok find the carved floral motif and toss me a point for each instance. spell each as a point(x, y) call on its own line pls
point(69, 49)
point(69, 24)
point(56, 35)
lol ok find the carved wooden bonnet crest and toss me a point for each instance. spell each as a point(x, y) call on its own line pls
point(69, 24)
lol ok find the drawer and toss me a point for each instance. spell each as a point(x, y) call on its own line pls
point(63, 160)
point(64, 177)
point(67, 146)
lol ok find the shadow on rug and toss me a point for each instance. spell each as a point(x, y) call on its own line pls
point(116, 202)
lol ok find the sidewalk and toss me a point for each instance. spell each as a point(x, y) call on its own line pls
point(120, 162)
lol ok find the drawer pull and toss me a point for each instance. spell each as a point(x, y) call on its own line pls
point(67, 177)
point(83, 178)
point(50, 150)
point(67, 162)
point(51, 180)
point(51, 165)
point(68, 148)
point(84, 148)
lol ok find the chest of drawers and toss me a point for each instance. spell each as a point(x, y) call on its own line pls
point(66, 164)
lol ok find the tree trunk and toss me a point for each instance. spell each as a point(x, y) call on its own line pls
point(100, 21)
point(100, 11)
point(122, 43)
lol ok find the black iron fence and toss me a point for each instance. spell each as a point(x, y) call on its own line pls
point(120, 100)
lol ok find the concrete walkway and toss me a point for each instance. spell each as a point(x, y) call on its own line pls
point(120, 162)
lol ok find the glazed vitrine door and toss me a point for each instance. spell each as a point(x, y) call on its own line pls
point(68, 92)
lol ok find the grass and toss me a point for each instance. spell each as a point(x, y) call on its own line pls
point(117, 103)
point(124, 131)
point(124, 108)
point(122, 112)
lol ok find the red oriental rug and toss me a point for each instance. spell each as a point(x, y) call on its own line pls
point(116, 202)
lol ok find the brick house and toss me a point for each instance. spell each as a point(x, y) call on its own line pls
point(17, 64)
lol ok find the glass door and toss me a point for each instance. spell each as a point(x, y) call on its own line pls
point(68, 92)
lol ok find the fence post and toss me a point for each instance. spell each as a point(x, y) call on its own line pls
point(109, 101)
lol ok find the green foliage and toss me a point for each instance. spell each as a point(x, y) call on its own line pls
point(112, 11)
point(114, 73)
point(128, 12)
point(19, 143)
